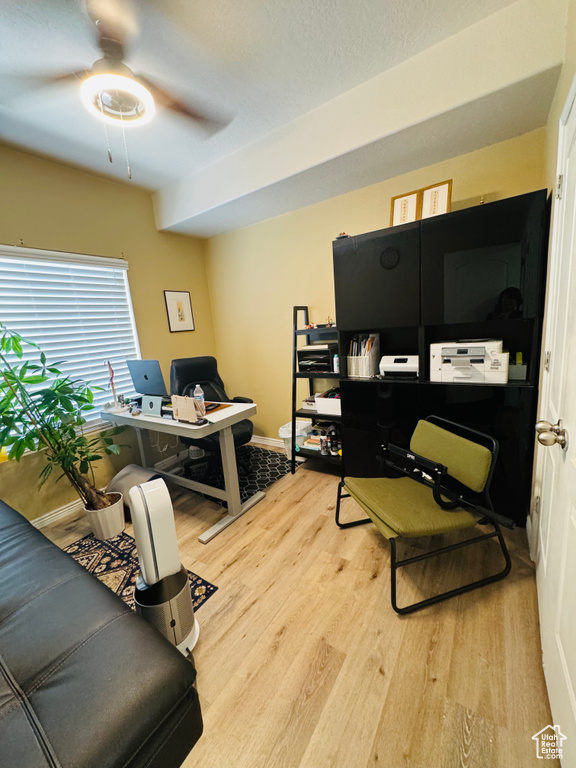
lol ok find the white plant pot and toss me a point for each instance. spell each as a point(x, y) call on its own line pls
point(108, 522)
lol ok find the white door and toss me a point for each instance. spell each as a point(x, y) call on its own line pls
point(553, 527)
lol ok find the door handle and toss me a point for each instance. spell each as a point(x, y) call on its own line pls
point(552, 434)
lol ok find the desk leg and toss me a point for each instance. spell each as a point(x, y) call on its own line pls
point(230, 471)
point(145, 447)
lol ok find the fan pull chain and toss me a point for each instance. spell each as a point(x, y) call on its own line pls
point(125, 146)
point(105, 129)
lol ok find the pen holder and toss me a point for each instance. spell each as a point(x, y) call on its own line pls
point(364, 366)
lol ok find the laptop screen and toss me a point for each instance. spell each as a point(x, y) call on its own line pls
point(147, 377)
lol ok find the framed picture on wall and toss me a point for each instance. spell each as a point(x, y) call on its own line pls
point(436, 199)
point(405, 208)
point(179, 311)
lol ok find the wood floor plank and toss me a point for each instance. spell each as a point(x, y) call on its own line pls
point(303, 664)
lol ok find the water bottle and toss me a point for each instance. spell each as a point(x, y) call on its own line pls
point(199, 403)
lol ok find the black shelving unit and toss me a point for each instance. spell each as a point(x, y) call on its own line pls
point(301, 318)
point(439, 280)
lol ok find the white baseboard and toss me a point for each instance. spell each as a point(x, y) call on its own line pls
point(277, 442)
point(57, 514)
point(164, 465)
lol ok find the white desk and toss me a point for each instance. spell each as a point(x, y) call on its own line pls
point(219, 421)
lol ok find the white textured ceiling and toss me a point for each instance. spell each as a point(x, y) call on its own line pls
point(267, 62)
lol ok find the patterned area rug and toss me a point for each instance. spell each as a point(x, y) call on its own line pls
point(115, 563)
point(257, 469)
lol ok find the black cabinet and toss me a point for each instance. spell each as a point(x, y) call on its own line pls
point(477, 273)
point(484, 263)
point(377, 279)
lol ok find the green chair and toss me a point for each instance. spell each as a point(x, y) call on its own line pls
point(443, 486)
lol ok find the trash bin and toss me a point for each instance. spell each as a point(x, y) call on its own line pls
point(303, 427)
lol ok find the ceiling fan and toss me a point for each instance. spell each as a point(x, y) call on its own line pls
point(110, 90)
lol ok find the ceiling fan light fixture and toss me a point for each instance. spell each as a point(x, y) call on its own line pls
point(117, 99)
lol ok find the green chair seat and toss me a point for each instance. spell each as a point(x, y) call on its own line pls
point(401, 507)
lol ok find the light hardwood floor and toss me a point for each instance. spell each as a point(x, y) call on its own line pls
point(303, 664)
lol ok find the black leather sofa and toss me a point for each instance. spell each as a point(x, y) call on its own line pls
point(84, 681)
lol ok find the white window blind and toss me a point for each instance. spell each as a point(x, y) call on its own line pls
point(77, 309)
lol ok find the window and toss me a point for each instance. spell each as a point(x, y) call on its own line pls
point(77, 309)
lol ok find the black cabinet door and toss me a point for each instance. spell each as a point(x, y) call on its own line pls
point(484, 263)
point(377, 280)
point(506, 413)
point(374, 413)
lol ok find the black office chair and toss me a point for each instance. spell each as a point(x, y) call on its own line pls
point(185, 373)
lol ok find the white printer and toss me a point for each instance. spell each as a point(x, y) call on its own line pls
point(400, 366)
point(470, 361)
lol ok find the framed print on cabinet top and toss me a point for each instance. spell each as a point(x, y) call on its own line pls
point(436, 199)
point(179, 311)
point(405, 208)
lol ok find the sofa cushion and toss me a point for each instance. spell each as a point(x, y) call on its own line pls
point(84, 681)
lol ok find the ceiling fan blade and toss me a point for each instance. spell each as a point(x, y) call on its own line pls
point(67, 77)
point(209, 120)
point(14, 86)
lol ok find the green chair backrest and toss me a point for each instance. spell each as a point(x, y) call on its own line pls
point(466, 461)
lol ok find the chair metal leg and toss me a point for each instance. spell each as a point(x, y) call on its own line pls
point(353, 523)
point(395, 564)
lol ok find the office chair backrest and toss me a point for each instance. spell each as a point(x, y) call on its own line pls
point(186, 372)
point(467, 461)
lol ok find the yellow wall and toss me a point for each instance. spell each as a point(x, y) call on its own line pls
point(47, 205)
point(255, 275)
point(258, 273)
point(562, 90)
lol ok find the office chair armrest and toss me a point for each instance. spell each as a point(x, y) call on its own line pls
point(470, 506)
point(242, 400)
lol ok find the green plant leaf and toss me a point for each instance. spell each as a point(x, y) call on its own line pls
point(45, 474)
point(17, 348)
point(66, 403)
point(17, 450)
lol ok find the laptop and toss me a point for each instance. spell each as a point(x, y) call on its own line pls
point(147, 377)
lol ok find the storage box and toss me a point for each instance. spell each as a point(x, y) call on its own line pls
point(328, 405)
point(517, 372)
point(365, 366)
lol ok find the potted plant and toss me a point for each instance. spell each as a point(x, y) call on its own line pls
point(43, 410)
